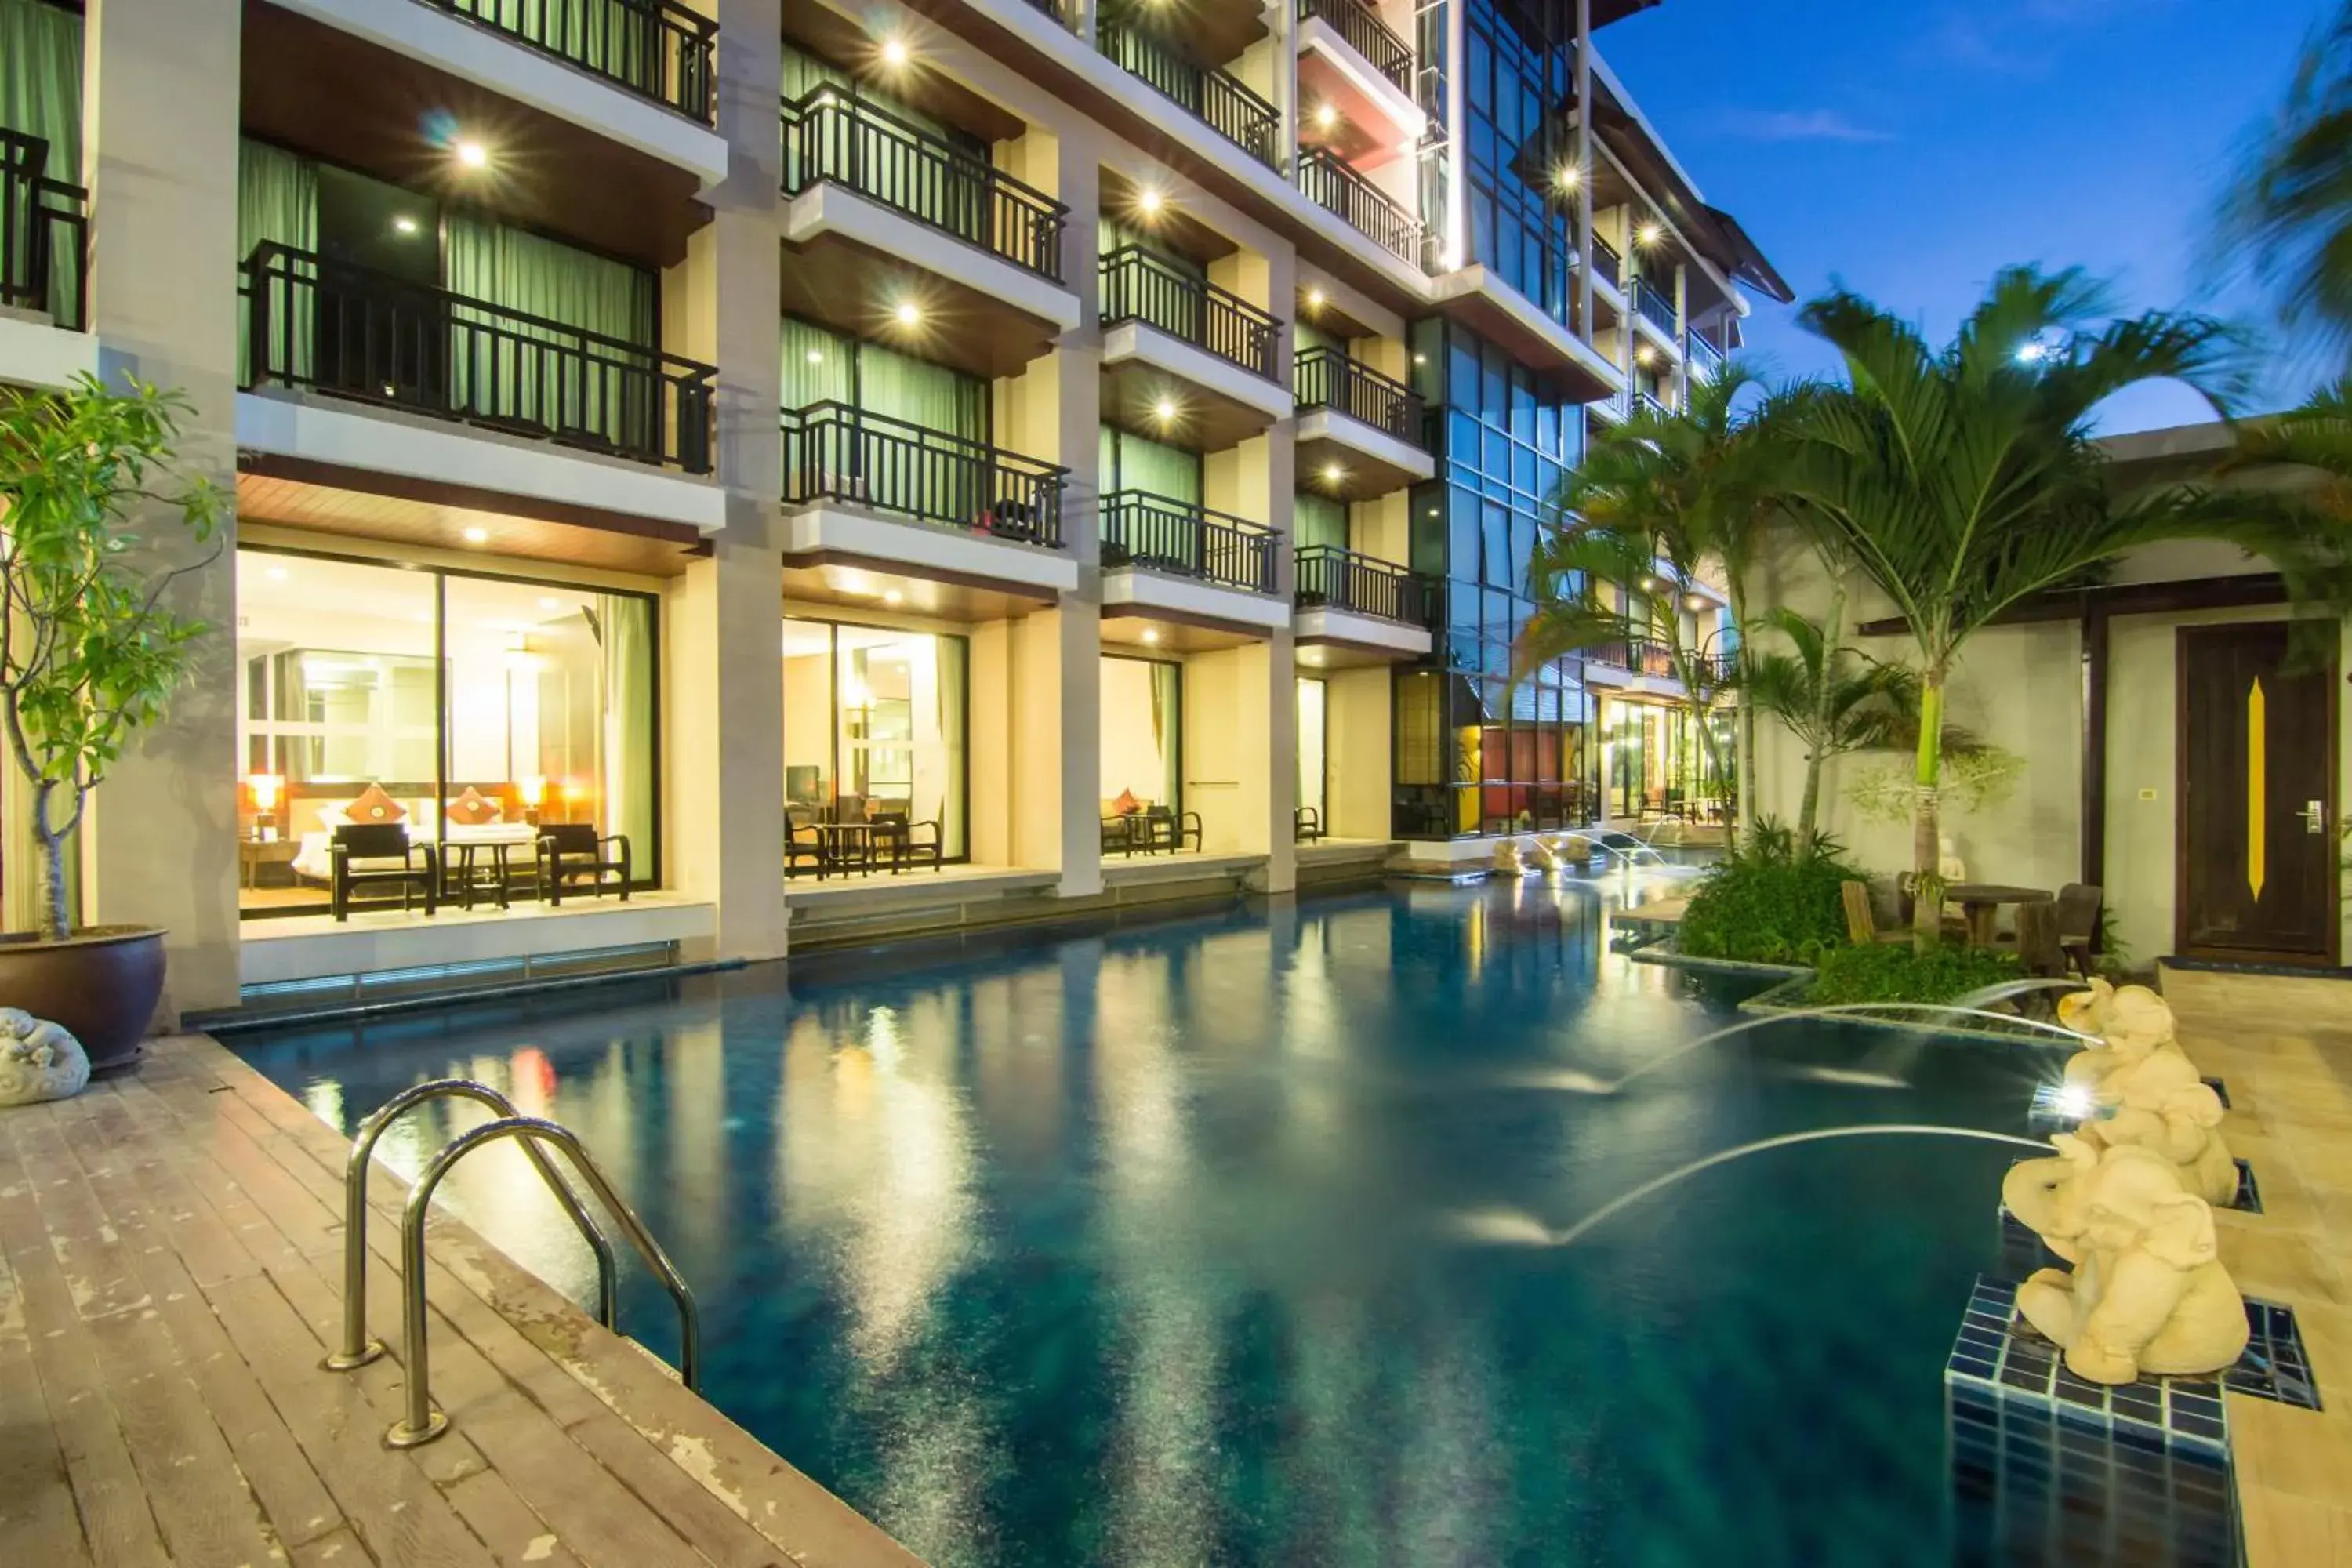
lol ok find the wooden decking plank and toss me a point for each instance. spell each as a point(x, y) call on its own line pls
point(717, 1533)
point(209, 1516)
point(606, 1525)
point(96, 1266)
point(126, 1156)
point(37, 1522)
point(117, 1524)
point(507, 1523)
point(340, 1550)
point(394, 1509)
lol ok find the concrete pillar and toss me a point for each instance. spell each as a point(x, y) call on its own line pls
point(160, 138)
point(1074, 631)
point(725, 749)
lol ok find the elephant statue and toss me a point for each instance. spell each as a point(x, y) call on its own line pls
point(2148, 1294)
point(2085, 1012)
point(38, 1060)
point(2183, 1124)
point(1540, 857)
point(2140, 1052)
point(1506, 859)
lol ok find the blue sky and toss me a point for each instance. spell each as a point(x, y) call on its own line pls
point(1912, 148)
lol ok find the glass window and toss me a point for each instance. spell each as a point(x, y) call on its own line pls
point(875, 726)
point(466, 710)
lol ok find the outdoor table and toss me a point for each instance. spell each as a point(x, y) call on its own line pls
point(835, 842)
point(1980, 901)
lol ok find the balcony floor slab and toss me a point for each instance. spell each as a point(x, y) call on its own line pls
point(830, 533)
point(1369, 461)
point(1218, 402)
point(35, 353)
point(1129, 592)
point(1343, 638)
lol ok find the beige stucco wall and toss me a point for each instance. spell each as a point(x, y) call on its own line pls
point(1356, 718)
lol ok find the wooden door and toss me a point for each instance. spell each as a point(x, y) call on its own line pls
point(2257, 875)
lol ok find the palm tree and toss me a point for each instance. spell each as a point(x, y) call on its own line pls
point(1964, 480)
point(2286, 220)
point(1658, 503)
point(1835, 702)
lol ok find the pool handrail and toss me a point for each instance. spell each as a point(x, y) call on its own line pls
point(358, 1348)
point(423, 1424)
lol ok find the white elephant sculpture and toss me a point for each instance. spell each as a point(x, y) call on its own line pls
point(2184, 1125)
point(2148, 1294)
point(1506, 859)
point(38, 1060)
point(1540, 857)
point(2085, 1012)
point(2144, 1092)
point(2140, 1050)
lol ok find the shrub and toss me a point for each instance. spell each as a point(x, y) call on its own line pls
point(1772, 904)
point(1888, 972)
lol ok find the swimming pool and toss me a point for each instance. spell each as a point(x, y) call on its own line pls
point(1221, 1242)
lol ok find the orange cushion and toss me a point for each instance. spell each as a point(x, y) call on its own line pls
point(1126, 804)
point(473, 809)
point(375, 806)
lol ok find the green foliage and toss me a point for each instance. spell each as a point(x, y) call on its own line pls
point(1884, 972)
point(88, 655)
point(1771, 904)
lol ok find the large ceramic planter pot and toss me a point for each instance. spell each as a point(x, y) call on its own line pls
point(102, 983)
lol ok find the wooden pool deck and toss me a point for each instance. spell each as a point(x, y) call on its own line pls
point(170, 1280)
point(2283, 1045)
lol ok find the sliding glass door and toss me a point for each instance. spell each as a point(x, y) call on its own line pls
point(875, 725)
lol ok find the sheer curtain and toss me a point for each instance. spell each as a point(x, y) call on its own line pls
point(498, 369)
point(951, 652)
point(40, 96)
point(277, 203)
point(1131, 462)
point(1319, 520)
point(625, 625)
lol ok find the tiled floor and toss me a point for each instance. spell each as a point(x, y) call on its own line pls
point(2284, 1047)
point(169, 1267)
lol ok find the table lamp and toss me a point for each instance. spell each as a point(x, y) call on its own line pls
point(266, 788)
point(533, 791)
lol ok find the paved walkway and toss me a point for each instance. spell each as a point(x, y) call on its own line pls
point(170, 1266)
point(2284, 1048)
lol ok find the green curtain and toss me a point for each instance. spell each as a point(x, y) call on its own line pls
point(1168, 730)
point(40, 96)
point(1319, 520)
point(931, 396)
point(622, 41)
point(1129, 462)
point(1305, 336)
point(277, 203)
point(953, 653)
point(495, 373)
point(820, 365)
point(626, 631)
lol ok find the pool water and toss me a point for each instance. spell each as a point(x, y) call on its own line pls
point(1224, 1241)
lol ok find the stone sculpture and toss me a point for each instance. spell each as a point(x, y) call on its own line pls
point(2085, 1012)
point(1540, 856)
point(2142, 1091)
point(2140, 1049)
point(1506, 859)
point(2181, 1124)
point(2148, 1294)
point(38, 1060)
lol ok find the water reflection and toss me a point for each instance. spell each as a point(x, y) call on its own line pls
point(1146, 1249)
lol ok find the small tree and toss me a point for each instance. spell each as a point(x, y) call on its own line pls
point(87, 652)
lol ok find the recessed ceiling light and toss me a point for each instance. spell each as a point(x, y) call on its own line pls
point(894, 597)
point(907, 313)
point(472, 154)
point(1315, 299)
point(1421, 359)
point(403, 224)
point(1148, 201)
point(1333, 473)
point(476, 536)
point(1326, 117)
point(1568, 177)
point(1152, 634)
point(1164, 410)
point(1649, 234)
point(894, 52)
point(548, 601)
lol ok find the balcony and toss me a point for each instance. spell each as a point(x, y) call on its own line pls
point(1607, 264)
point(1655, 308)
point(1183, 357)
point(1332, 185)
point(1359, 609)
point(1172, 560)
point(1705, 360)
point(1365, 33)
point(889, 495)
point(349, 334)
point(1359, 432)
point(44, 267)
point(656, 49)
point(1655, 406)
point(1655, 660)
point(1215, 97)
point(1616, 408)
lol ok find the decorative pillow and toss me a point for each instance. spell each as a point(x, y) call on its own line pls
point(473, 809)
point(1127, 803)
point(375, 806)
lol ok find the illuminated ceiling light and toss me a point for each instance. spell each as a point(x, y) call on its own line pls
point(476, 536)
point(471, 154)
point(277, 574)
point(1696, 600)
point(908, 314)
point(1649, 234)
point(403, 224)
point(1164, 410)
point(1333, 473)
point(548, 601)
point(893, 597)
point(1421, 359)
point(1644, 354)
point(1315, 299)
point(1326, 117)
point(894, 52)
point(1150, 200)
point(1649, 584)
point(1152, 634)
point(1568, 177)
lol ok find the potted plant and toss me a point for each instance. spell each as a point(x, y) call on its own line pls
point(89, 656)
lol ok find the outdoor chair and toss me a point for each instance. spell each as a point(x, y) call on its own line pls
point(801, 841)
point(368, 853)
point(1861, 921)
point(1306, 824)
point(568, 850)
point(906, 843)
point(1165, 828)
point(2081, 908)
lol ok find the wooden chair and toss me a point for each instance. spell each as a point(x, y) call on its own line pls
point(570, 850)
point(1306, 824)
point(801, 841)
point(906, 843)
point(1861, 922)
point(2081, 910)
point(415, 865)
point(1166, 829)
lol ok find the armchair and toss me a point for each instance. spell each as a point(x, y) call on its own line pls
point(364, 853)
point(1306, 824)
point(801, 839)
point(570, 849)
point(906, 843)
point(1167, 828)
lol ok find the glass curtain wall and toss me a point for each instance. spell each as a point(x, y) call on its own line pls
point(1142, 734)
point(875, 724)
point(1517, 72)
point(466, 708)
point(1657, 763)
point(1476, 753)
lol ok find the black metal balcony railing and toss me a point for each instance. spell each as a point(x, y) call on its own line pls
point(655, 48)
point(1153, 532)
point(1656, 660)
point(1654, 405)
point(1139, 285)
point(1331, 578)
point(1706, 359)
point(1217, 97)
point(1656, 307)
point(1331, 184)
point(834, 452)
point(1368, 36)
point(831, 134)
point(327, 326)
point(1607, 264)
point(1326, 378)
point(44, 235)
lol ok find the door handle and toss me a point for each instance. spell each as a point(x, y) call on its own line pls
point(2314, 817)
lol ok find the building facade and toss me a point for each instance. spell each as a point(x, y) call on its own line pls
point(841, 467)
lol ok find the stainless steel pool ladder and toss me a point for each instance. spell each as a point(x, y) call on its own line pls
point(423, 1423)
